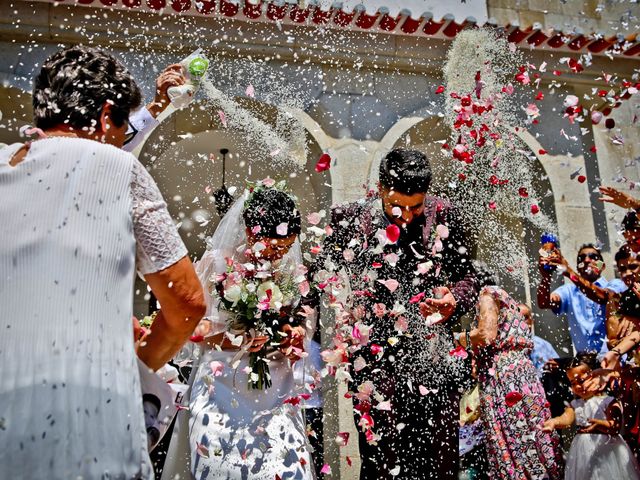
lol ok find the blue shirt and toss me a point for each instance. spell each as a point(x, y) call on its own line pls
point(542, 352)
point(586, 318)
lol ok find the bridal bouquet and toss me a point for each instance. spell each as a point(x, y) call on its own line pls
point(260, 299)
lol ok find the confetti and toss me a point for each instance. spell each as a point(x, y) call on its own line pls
point(512, 398)
point(393, 233)
point(323, 163)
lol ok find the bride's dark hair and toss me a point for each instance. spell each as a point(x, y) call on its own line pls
point(268, 208)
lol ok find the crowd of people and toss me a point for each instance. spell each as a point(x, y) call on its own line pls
point(430, 400)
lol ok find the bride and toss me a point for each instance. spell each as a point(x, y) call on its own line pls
point(236, 430)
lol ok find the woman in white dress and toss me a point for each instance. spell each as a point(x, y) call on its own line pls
point(234, 431)
point(75, 210)
point(598, 451)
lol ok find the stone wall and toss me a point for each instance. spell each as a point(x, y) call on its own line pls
point(609, 17)
point(360, 102)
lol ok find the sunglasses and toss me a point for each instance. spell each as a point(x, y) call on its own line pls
point(593, 256)
point(130, 133)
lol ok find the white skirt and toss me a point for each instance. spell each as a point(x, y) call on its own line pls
point(600, 457)
point(234, 432)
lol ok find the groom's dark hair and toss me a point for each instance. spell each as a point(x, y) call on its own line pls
point(405, 171)
point(268, 208)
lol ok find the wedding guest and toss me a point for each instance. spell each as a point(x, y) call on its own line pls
point(76, 210)
point(473, 455)
point(598, 452)
point(145, 119)
point(624, 384)
point(585, 311)
point(631, 221)
point(308, 372)
point(512, 400)
point(623, 310)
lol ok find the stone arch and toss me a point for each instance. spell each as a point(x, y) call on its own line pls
point(177, 153)
point(411, 132)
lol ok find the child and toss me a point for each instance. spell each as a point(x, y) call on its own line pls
point(597, 452)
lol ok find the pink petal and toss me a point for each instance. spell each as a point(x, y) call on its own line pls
point(512, 398)
point(216, 368)
point(391, 284)
point(417, 298)
point(391, 259)
point(250, 92)
point(304, 288)
point(596, 117)
point(571, 101)
point(376, 349)
point(359, 363)
point(459, 352)
point(282, 229)
point(401, 324)
point(342, 438)
point(326, 469)
point(223, 118)
point(393, 233)
point(268, 182)
point(202, 450)
point(324, 163)
point(34, 131)
point(442, 231)
point(313, 218)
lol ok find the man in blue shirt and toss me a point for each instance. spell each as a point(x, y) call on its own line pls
point(585, 316)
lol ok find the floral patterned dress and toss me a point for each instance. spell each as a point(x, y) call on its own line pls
point(513, 404)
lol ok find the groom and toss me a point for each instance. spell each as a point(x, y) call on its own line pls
point(417, 437)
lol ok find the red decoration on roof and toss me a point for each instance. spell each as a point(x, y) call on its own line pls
point(388, 23)
point(382, 21)
point(252, 11)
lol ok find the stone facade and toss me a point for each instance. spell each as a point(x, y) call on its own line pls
point(608, 18)
point(363, 94)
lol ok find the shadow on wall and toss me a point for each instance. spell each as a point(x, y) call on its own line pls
point(16, 111)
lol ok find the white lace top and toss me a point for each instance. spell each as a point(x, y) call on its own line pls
point(158, 244)
point(73, 215)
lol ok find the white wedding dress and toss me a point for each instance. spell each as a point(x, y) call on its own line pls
point(235, 432)
point(596, 456)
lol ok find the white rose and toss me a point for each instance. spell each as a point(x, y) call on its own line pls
point(276, 295)
point(233, 293)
